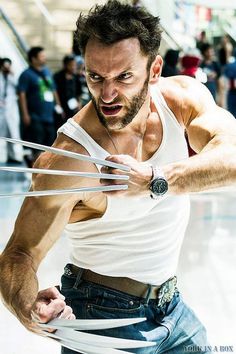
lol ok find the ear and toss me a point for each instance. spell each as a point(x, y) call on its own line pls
point(156, 68)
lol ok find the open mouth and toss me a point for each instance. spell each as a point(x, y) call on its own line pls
point(111, 110)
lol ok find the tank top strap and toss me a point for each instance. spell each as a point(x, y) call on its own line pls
point(162, 105)
point(77, 133)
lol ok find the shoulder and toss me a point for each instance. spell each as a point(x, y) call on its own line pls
point(58, 74)
point(185, 96)
point(25, 79)
point(59, 77)
point(26, 73)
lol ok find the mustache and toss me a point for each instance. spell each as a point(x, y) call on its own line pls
point(117, 100)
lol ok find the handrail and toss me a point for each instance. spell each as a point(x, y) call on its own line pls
point(228, 29)
point(24, 47)
point(170, 39)
point(44, 11)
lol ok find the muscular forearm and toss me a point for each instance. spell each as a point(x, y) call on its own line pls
point(18, 284)
point(209, 169)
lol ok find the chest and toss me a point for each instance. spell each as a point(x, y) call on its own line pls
point(36, 82)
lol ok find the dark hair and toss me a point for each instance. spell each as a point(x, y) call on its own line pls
point(68, 58)
point(205, 47)
point(115, 21)
point(5, 60)
point(171, 57)
point(33, 52)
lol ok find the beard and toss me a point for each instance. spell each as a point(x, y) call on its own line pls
point(131, 110)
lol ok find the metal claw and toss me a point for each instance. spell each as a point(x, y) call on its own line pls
point(98, 340)
point(96, 324)
point(67, 153)
point(87, 349)
point(63, 173)
point(66, 191)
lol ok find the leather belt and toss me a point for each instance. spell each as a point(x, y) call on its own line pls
point(163, 293)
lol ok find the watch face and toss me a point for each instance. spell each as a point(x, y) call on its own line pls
point(159, 186)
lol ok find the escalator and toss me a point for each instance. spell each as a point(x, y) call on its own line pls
point(12, 45)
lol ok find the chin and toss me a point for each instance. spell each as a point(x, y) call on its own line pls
point(114, 126)
point(115, 123)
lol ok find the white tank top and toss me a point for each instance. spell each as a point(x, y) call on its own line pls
point(137, 237)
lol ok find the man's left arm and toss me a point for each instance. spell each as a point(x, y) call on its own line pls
point(212, 134)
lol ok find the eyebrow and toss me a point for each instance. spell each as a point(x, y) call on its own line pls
point(88, 71)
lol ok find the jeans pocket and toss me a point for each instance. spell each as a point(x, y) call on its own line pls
point(108, 303)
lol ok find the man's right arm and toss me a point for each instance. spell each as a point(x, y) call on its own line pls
point(39, 224)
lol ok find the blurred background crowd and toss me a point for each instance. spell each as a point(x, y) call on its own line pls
point(42, 78)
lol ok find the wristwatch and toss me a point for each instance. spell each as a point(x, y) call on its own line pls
point(158, 185)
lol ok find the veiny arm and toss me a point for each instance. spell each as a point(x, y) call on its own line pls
point(212, 134)
point(37, 228)
point(39, 224)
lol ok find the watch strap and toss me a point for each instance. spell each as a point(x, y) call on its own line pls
point(156, 172)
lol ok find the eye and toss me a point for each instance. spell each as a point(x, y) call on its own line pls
point(124, 76)
point(94, 77)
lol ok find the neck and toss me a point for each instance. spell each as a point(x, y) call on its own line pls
point(37, 67)
point(133, 132)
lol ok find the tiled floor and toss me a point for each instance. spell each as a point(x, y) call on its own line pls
point(207, 269)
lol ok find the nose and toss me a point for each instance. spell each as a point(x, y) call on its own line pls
point(108, 91)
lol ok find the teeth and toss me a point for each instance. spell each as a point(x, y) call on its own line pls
point(113, 108)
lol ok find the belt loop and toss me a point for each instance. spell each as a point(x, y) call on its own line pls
point(147, 297)
point(78, 278)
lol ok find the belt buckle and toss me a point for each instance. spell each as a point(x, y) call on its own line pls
point(67, 270)
point(166, 291)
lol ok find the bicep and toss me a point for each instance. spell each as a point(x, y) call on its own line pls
point(210, 128)
point(205, 122)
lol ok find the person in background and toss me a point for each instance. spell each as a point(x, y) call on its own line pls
point(190, 67)
point(230, 74)
point(225, 51)
point(85, 95)
point(38, 97)
point(68, 87)
point(190, 62)
point(201, 40)
point(9, 113)
point(212, 69)
point(171, 60)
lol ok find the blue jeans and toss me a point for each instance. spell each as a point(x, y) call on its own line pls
point(174, 327)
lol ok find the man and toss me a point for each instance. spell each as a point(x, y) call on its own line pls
point(201, 40)
point(125, 245)
point(9, 113)
point(170, 66)
point(37, 97)
point(68, 88)
point(213, 73)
